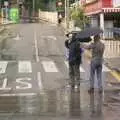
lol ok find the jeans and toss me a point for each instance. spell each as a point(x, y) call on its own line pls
point(74, 74)
point(96, 67)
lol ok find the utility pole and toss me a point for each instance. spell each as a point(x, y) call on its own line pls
point(67, 14)
point(33, 8)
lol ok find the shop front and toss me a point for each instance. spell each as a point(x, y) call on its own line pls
point(103, 14)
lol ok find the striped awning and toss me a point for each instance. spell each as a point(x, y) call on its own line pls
point(111, 10)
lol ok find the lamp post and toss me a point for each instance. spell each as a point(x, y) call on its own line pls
point(33, 8)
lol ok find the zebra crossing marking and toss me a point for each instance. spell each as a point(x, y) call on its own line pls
point(24, 67)
point(105, 69)
point(81, 69)
point(3, 66)
point(18, 94)
point(49, 66)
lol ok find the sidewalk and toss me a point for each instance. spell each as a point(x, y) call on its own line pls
point(112, 54)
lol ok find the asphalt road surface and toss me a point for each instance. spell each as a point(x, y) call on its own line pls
point(34, 75)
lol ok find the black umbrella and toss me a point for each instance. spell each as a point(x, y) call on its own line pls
point(76, 33)
point(87, 33)
point(84, 39)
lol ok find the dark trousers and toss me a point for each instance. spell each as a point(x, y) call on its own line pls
point(74, 74)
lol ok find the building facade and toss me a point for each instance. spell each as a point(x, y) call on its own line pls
point(104, 14)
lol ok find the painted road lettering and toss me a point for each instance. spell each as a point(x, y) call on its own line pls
point(4, 85)
point(3, 66)
point(24, 84)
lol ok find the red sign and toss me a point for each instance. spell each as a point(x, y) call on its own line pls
point(107, 3)
point(90, 1)
point(97, 6)
point(93, 7)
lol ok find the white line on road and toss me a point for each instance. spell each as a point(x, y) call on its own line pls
point(36, 47)
point(81, 69)
point(39, 80)
point(3, 66)
point(25, 67)
point(105, 69)
point(17, 38)
point(52, 38)
point(18, 94)
point(49, 66)
point(49, 37)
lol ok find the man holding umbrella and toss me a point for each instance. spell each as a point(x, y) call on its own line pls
point(74, 59)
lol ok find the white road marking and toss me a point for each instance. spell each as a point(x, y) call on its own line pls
point(36, 46)
point(49, 37)
point(18, 94)
point(24, 84)
point(24, 67)
point(105, 69)
point(66, 63)
point(17, 37)
point(3, 66)
point(49, 66)
point(39, 80)
point(4, 85)
point(81, 69)
point(52, 38)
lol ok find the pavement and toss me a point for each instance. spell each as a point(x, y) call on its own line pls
point(34, 76)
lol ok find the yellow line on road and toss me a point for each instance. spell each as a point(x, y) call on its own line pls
point(116, 75)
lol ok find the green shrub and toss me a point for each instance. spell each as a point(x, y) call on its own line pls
point(78, 15)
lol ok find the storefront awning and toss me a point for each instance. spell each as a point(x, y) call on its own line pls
point(111, 10)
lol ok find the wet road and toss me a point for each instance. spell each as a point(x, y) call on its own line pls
point(34, 75)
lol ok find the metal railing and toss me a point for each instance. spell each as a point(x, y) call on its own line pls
point(110, 34)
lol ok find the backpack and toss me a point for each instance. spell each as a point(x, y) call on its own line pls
point(74, 52)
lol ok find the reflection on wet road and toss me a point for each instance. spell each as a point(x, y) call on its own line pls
point(63, 102)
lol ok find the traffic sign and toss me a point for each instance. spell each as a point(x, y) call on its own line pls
point(6, 3)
